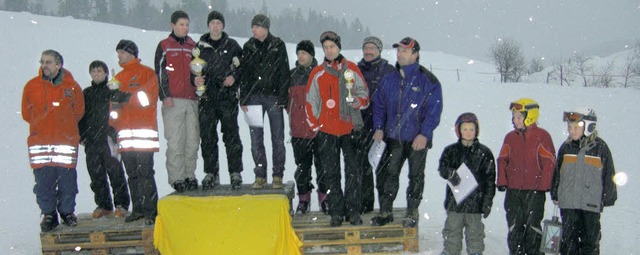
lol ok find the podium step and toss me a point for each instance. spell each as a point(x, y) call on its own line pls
point(107, 235)
point(318, 238)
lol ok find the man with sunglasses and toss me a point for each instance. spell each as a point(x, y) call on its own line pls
point(336, 92)
point(53, 104)
point(265, 81)
point(525, 171)
point(406, 110)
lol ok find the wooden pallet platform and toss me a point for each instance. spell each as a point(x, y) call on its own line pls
point(107, 235)
point(318, 238)
point(110, 235)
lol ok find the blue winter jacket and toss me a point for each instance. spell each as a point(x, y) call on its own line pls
point(406, 107)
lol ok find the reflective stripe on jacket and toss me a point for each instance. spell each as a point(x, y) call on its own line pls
point(136, 122)
point(53, 109)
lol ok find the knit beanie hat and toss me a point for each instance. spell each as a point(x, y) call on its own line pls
point(307, 46)
point(128, 46)
point(261, 20)
point(331, 36)
point(215, 15)
point(375, 40)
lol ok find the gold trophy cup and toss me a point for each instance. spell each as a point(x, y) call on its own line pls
point(197, 65)
point(348, 76)
point(114, 84)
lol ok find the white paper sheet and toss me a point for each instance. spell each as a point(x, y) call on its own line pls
point(375, 153)
point(467, 184)
point(253, 116)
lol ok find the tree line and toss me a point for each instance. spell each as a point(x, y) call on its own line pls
point(290, 25)
point(577, 69)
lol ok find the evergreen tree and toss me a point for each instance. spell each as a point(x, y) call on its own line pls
point(102, 12)
point(73, 8)
point(142, 13)
point(16, 5)
point(198, 12)
point(118, 12)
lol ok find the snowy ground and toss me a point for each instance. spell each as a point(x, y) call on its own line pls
point(25, 36)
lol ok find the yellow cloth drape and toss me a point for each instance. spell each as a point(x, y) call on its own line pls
point(248, 224)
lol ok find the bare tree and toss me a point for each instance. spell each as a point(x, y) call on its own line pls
point(562, 72)
point(582, 67)
point(631, 70)
point(509, 59)
point(605, 76)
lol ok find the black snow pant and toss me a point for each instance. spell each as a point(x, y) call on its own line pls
point(388, 176)
point(102, 166)
point(363, 143)
point(225, 112)
point(329, 146)
point(142, 183)
point(525, 210)
point(580, 232)
point(305, 154)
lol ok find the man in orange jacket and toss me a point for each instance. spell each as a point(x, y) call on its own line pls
point(137, 128)
point(52, 104)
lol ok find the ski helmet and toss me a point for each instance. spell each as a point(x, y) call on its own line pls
point(584, 115)
point(528, 107)
point(467, 117)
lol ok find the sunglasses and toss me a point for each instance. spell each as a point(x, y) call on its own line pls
point(520, 107)
point(574, 116)
point(328, 35)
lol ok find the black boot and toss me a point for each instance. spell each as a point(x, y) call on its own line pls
point(382, 219)
point(336, 221)
point(210, 181)
point(49, 222)
point(70, 219)
point(303, 207)
point(191, 183)
point(355, 219)
point(180, 186)
point(134, 216)
point(236, 180)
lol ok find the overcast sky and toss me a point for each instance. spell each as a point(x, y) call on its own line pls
point(548, 29)
point(468, 27)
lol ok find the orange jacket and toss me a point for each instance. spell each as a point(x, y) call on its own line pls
point(136, 122)
point(53, 109)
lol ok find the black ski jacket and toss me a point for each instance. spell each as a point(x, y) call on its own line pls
point(265, 69)
point(479, 159)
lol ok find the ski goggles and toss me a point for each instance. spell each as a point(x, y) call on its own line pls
point(521, 108)
point(574, 116)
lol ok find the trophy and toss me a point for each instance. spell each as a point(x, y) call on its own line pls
point(114, 84)
point(348, 76)
point(197, 65)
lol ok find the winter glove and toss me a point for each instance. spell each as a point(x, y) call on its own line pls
point(486, 210)
point(502, 188)
point(454, 179)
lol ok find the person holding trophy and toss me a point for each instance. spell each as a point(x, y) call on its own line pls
point(219, 103)
point(336, 92)
point(179, 103)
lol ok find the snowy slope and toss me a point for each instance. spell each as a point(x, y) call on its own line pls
point(25, 36)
